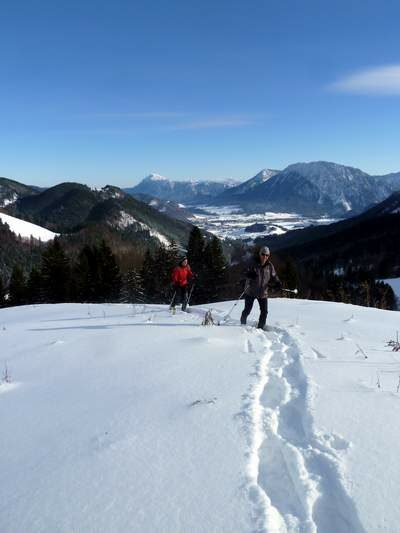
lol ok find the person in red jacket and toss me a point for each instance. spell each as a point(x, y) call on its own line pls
point(181, 275)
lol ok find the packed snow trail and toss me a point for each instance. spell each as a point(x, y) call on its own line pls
point(125, 418)
point(294, 476)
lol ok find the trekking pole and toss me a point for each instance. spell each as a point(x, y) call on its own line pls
point(294, 291)
point(190, 294)
point(237, 301)
point(172, 299)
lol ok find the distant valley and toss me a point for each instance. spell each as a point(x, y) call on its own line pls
point(329, 219)
point(233, 222)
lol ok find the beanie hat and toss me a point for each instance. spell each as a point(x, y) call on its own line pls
point(264, 250)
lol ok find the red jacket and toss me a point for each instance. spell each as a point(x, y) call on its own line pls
point(181, 275)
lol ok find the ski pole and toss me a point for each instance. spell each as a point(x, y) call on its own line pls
point(238, 300)
point(294, 291)
point(190, 294)
point(172, 300)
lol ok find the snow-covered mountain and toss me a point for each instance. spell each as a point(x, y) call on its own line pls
point(318, 188)
point(11, 190)
point(225, 429)
point(72, 207)
point(27, 229)
point(186, 192)
point(247, 186)
point(393, 180)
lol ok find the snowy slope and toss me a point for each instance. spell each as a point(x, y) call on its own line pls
point(27, 229)
point(125, 418)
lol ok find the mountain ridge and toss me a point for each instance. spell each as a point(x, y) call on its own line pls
point(69, 208)
point(311, 188)
point(318, 188)
point(185, 191)
point(11, 190)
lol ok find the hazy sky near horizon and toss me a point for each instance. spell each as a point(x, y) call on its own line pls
point(107, 92)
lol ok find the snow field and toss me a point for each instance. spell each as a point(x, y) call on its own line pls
point(104, 432)
point(27, 229)
point(231, 222)
point(353, 416)
point(127, 418)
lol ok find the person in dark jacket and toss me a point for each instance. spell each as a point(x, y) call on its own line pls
point(259, 276)
point(181, 275)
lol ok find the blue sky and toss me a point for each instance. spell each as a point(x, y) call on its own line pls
point(107, 92)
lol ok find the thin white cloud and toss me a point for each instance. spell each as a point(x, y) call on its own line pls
point(383, 80)
point(130, 122)
point(136, 115)
point(216, 122)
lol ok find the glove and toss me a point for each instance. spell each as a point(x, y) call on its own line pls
point(278, 285)
point(251, 275)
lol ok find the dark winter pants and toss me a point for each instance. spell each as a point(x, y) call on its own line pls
point(248, 304)
point(180, 296)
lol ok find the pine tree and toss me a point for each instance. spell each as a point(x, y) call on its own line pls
point(195, 248)
point(17, 287)
point(2, 293)
point(215, 270)
point(86, 275)
point(55, 273)
point(162, 278)
point(366, 293)
point(173, 256)
point(148, 274)
point(34, 286)
point(196, 258)
point(133, 291)
point(110, 275)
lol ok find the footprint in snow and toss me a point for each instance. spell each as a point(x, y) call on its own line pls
point(335, 441)
point(248, 346)
point(339, 443)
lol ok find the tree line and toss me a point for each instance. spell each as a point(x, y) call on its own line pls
point(353, 285)
point(94, 275)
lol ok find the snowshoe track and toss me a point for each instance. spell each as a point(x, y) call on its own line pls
point(294, 477)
